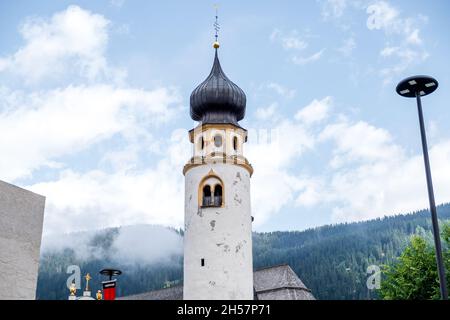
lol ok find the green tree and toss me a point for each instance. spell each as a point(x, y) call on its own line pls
point(414, 276)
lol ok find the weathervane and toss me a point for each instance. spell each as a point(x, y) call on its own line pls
point(216, 27)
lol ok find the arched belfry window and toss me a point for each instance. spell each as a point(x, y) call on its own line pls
point(201, 143)
point(217, 195)
point(206, 196)
point(235, 143)
point(211, 192)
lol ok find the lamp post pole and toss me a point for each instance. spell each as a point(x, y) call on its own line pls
point(434, 218)
point(416, 87)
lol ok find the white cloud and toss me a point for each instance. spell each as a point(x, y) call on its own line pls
point(405, 54)
point(289, 41)
point(305, 60)
point(310, 192)
point(368, 174)
point(137, 245)
point(73, 40)
point(404, 57)
point(316, 111)
point(294, 43)
point(359, 142)
point(278, 142)
point(414, 37)
point(394, 185)
point(347, 47)
point(117, 3)
point(333, 8)
point(282, 90)
point(97, 198)
point(79, 201)
point(371, 176)
point(400, 31)
point(389, 51)
point(129, 245)
point(271, 191)
point(47, 128)
point(123, 29)
point(404, 32)
point(45, 125)
point(266, 113)
point(382, 16)
point(271, 153)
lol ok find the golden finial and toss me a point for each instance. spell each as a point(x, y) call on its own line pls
point(99, 295)
point(216, 44)
point(73, 289)
point(87, 277)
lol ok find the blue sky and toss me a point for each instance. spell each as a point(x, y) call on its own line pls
point(94, 106)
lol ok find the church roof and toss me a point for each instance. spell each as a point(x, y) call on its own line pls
point(217, 99)
point(172, 293)
point(272, 283)
point(280, 283)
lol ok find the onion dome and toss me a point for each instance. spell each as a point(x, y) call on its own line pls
point(218, 99)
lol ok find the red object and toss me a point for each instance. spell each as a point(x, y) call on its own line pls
point(109, 289)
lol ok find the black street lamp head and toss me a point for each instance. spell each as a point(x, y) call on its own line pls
point(421, 85)
point(110, 272)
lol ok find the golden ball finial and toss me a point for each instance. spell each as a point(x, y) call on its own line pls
point(216, 45)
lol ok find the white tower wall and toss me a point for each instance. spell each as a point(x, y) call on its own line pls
point(222, 236)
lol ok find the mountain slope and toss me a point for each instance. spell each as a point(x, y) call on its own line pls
point(331, 260)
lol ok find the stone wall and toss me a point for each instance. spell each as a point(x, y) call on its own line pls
point(21, 219)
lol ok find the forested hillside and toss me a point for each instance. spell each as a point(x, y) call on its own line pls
point(331, 260)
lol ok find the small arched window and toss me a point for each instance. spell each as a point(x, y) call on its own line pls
point(202, 143)
point(218, 141)
point(217, 195)
point(235, 143)
point(206, 196)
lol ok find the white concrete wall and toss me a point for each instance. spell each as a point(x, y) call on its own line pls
point(21, 219)
point(221, 236)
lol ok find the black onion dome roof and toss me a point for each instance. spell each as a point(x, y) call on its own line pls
point(218, 99)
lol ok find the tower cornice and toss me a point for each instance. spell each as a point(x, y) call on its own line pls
point(218, 158)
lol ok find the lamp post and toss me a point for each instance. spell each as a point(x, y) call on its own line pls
point(109, 286)
point(417, 87)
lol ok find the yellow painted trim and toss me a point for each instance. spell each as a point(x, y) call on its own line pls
point(198, 161)
point(219, 126)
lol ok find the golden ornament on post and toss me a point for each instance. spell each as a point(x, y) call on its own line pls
point(216, 45)
point(73, 289)
point(87, 277)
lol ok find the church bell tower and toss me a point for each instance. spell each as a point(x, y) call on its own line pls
point(218, 260)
